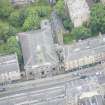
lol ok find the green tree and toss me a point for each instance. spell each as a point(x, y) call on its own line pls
point(67, 24)
point(60, 8)
point(31, 22)
point(13, 46)
point(5, 8)
point(17, 17)
point(68, 38)
point(3, 49)
point(42, 2)
point(97, 19)
point(6, 31)
point(81, 33)
point(43, 11)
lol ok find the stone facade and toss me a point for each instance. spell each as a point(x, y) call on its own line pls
point(39, 52)
point(9, 68)
point(84, 53)
point(60, 90)
point(78, 11)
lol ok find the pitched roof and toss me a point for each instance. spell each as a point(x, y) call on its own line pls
point(38, 47)
point(83, 48)
point(9, 63)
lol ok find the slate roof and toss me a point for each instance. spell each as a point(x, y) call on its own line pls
point(38, 47)
point(83, 48)
point(9, 63)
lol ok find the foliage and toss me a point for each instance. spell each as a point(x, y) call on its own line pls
point(31, 22)
point(41, 11)
point(17, 18)
point(13, 46)
point(68, 38)
point(42, 2)
point(3, 49)
point(67, 24)
point(5, 8)
point(34, 16)
point(81, 33)
point(6, 30)
point(60, 8)
point(97, 20)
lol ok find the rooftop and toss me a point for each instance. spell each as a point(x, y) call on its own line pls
point(38, 46)
point(83, 48)
point(9, 63)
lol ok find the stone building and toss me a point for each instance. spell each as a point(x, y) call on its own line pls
point(39, 52)
point(84, 53)
point(9, 68)
point(59, 90)
point(78, 11)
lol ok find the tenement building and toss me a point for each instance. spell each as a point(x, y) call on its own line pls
point(9, 68)
point(78, 11)
point(84, 53)
point(39, 53)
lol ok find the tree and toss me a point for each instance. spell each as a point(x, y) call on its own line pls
point(3, 49)
point(31, 22)
point(42, 2)
point(5, 8)
point(17, 17)
point(97, 19)
point(34, 15)
point(60, 8)
point(6, 31)
point(43, 11)
point(81, 33)
point(68, 38)
point(67, 24)
point(13, 46)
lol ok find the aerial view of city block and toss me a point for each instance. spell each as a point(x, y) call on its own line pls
point(52, 52)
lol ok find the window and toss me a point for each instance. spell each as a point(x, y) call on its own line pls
point(42, 72)
point(30, 73)
point(54, 69)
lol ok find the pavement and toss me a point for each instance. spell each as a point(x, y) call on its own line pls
point(56, 90)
